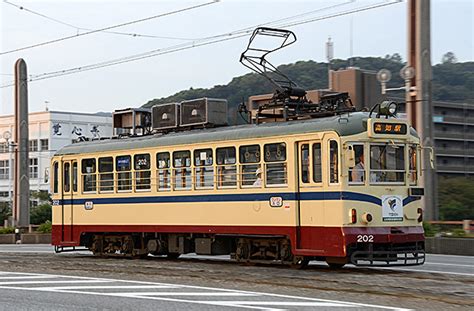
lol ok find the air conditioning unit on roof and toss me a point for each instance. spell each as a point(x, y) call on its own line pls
point(204, 111)
point(165, 116)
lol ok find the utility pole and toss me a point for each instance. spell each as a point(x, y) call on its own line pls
point(329, 57)
point(418, 100)
point(21, 201)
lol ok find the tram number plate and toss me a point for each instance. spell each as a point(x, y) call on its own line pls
point(365, 238)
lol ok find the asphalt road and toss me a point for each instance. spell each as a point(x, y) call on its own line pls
point(32, 277)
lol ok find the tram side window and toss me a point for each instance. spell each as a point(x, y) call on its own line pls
point(413, 165)
point(74, 176)
point(163, 174)
point(67, 177)
point(88, 175)
point(226, 167)
point(142, 171)
point(333, 162)
point(305, 163)
point(317, 163)
point(124, 175)
point(106, 174)
point(182, 170)
point(55, 177)
point(251, 172)
point(357, 173)
point(204, 170)
point(275, 164)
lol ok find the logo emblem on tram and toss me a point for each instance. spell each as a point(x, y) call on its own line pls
point(392, 208)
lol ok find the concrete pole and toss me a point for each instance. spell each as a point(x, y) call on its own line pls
point(21, 204)
point(419, 105)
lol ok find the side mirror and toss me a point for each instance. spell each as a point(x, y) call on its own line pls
point(349, 156)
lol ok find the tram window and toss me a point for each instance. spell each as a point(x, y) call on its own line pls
point(142, 171)
point(67, 177)
point(203, 171)
point(317, 163)
point(305, 163)
point(357, 173)
point(182, 170)
point(333, 162)
point(163, 174)
point(55, 177)
point(88, 175)
point(251, 172)
point(124, 175)
point(387, 164)
point(275, 165)
point(413, 165)
point(226, 167)
point(74, 176)
point(106, 174)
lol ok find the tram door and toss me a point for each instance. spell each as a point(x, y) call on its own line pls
point(69, 191)
point(310, 186)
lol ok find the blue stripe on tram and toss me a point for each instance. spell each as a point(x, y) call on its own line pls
point(289, 196)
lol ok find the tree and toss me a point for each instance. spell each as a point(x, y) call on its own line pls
point(456, 198)
point(5, 211)
point(396, 58)
point(43, 211)
point(449, 58)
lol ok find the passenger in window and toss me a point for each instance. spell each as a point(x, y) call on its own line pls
point(358, 171)
point(258, 181)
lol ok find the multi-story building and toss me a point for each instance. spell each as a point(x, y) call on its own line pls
point(48, 132)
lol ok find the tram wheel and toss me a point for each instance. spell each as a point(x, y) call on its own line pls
point(299, 262)
point(173, 255)
point(334, 265)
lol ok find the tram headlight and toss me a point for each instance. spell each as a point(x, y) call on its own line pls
point(367, 218)
point(353, 216)
point(388, 108)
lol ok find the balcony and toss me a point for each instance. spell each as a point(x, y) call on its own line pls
point(454, 152)
point(454, 169)
point(453, 135)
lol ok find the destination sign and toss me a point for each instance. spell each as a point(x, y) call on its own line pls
point(390, 128)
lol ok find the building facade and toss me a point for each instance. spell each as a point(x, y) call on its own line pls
point(48, 132)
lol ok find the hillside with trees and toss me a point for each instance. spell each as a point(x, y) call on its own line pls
point(452, 81)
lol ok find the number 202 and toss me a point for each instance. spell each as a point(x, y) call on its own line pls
point(364, 238)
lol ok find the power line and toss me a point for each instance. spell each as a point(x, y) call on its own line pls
point(109, 27)
point(202, 42)
point(77, 28)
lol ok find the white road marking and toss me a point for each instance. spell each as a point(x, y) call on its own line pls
point(449, 264)
point(26, 277)
point(263, 304)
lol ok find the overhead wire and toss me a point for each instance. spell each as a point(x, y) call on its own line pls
point(109, 27)
point(77, 28)
point(202, 42)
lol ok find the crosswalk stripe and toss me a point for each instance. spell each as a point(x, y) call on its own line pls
point(108, 287)
point(25, 277)
point(52, 282)
point(186, 294)
point(282, 303)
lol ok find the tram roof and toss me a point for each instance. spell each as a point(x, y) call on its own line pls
point(344, 125)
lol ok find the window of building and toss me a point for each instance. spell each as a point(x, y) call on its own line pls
point(44, 144)
point(55, 177)
point(34, 168)
point(251, 172)
point(4, 169)
point(305, 163)
point(275, 165)
point(357, 173)
point(33, 145)
point(203, 169)
point(106, 174)
point(3, 194)
point(124, 175)
point(226, 167)
point(67, 177)
point(387, 164)
point(163, 163)
point(3, 147)
point(142, 166)
point(89, 179)
point(333, 162)
point(182, 170)
point(317, 163)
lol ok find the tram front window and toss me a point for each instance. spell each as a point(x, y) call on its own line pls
point(387, 164)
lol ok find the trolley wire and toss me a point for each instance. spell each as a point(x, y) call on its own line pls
point(109, 27)
point(202, 42)
point(77, 28)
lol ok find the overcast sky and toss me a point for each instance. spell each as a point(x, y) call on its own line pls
point(375, 32)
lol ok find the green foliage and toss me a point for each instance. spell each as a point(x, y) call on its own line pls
point(7, 230)
point(456, 198)
point(40, 214)
point(45, 227)
point(451, 81)
point(5, 211)
point(459, 233)
point(429, 230)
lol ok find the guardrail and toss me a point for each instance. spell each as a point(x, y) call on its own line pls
point(467, 225)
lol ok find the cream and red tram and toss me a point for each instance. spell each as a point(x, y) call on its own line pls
point(341, 189)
